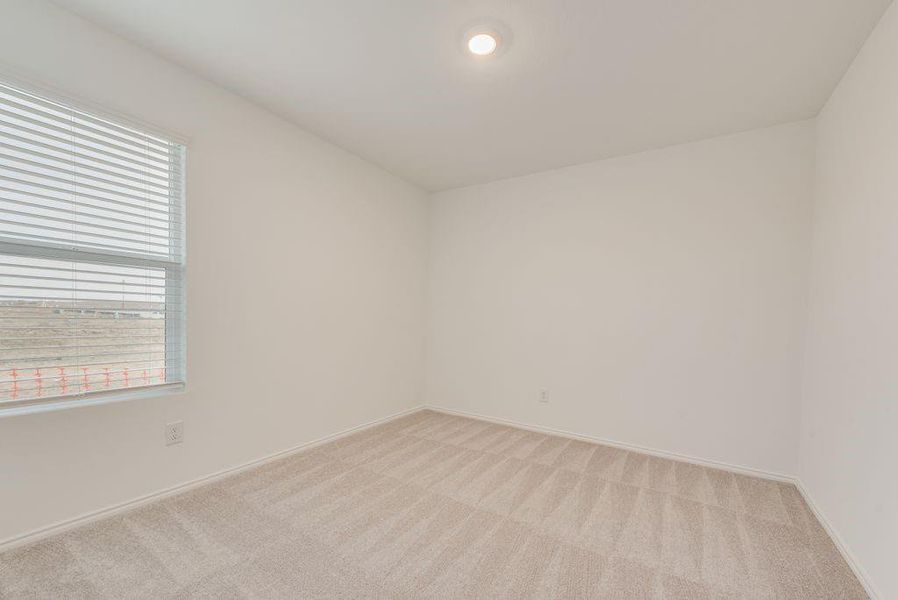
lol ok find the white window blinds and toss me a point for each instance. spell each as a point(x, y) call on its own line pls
point(91, 254)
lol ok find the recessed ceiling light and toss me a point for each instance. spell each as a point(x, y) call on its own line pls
point(482, 44)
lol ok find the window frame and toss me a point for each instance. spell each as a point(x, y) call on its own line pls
point(175, 329)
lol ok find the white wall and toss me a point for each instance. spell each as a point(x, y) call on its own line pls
point(659, 297)
point(849, 433)
point(306, 287)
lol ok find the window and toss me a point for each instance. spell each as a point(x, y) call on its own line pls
point(91, 254)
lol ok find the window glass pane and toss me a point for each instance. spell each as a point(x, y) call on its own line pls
point(69, 327)
point(91, 253)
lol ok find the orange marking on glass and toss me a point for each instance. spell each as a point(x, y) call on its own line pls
point(63, 381)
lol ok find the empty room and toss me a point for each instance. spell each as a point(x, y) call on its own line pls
point(449, 299)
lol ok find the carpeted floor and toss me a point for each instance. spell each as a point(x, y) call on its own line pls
point(437, 506)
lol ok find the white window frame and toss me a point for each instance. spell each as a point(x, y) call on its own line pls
point(175, 329)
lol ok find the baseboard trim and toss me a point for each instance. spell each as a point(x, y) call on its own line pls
point(859, 571)
point(623, 445)
point(79, 521)
point(861, 575)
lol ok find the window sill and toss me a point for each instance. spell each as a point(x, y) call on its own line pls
point(93, 399)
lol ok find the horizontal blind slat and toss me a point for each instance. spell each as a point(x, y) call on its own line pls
point(124, 272)
point(166, 228)
point(13, 118)
point(75, 169)
point(76, 280)
point(80, 185)
point(74, 319)
point(77, 125)
point(76, 224)
point(89, 356)
point(89, 245)
point(72, 337)
point(78, 346)
point(23, 147)
point(169, 220)
point(95, 364)
point(71, 145)
point(81, 194)
point(30, 98)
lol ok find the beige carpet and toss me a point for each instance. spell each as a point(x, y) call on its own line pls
point(436, 506)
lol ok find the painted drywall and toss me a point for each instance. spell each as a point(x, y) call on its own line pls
point(849, 445)
point(306, 287)
point(659, 298)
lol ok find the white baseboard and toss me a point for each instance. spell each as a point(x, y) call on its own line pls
point(861, 575)
point(623, 445)
point(859, 571)
point(67, 524)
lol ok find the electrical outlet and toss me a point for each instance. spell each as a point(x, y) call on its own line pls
point(544, 396)
point(174, 433)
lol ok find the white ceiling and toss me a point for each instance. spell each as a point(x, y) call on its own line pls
point(579, 79)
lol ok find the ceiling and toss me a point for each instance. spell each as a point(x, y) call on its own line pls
point(576, 80)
